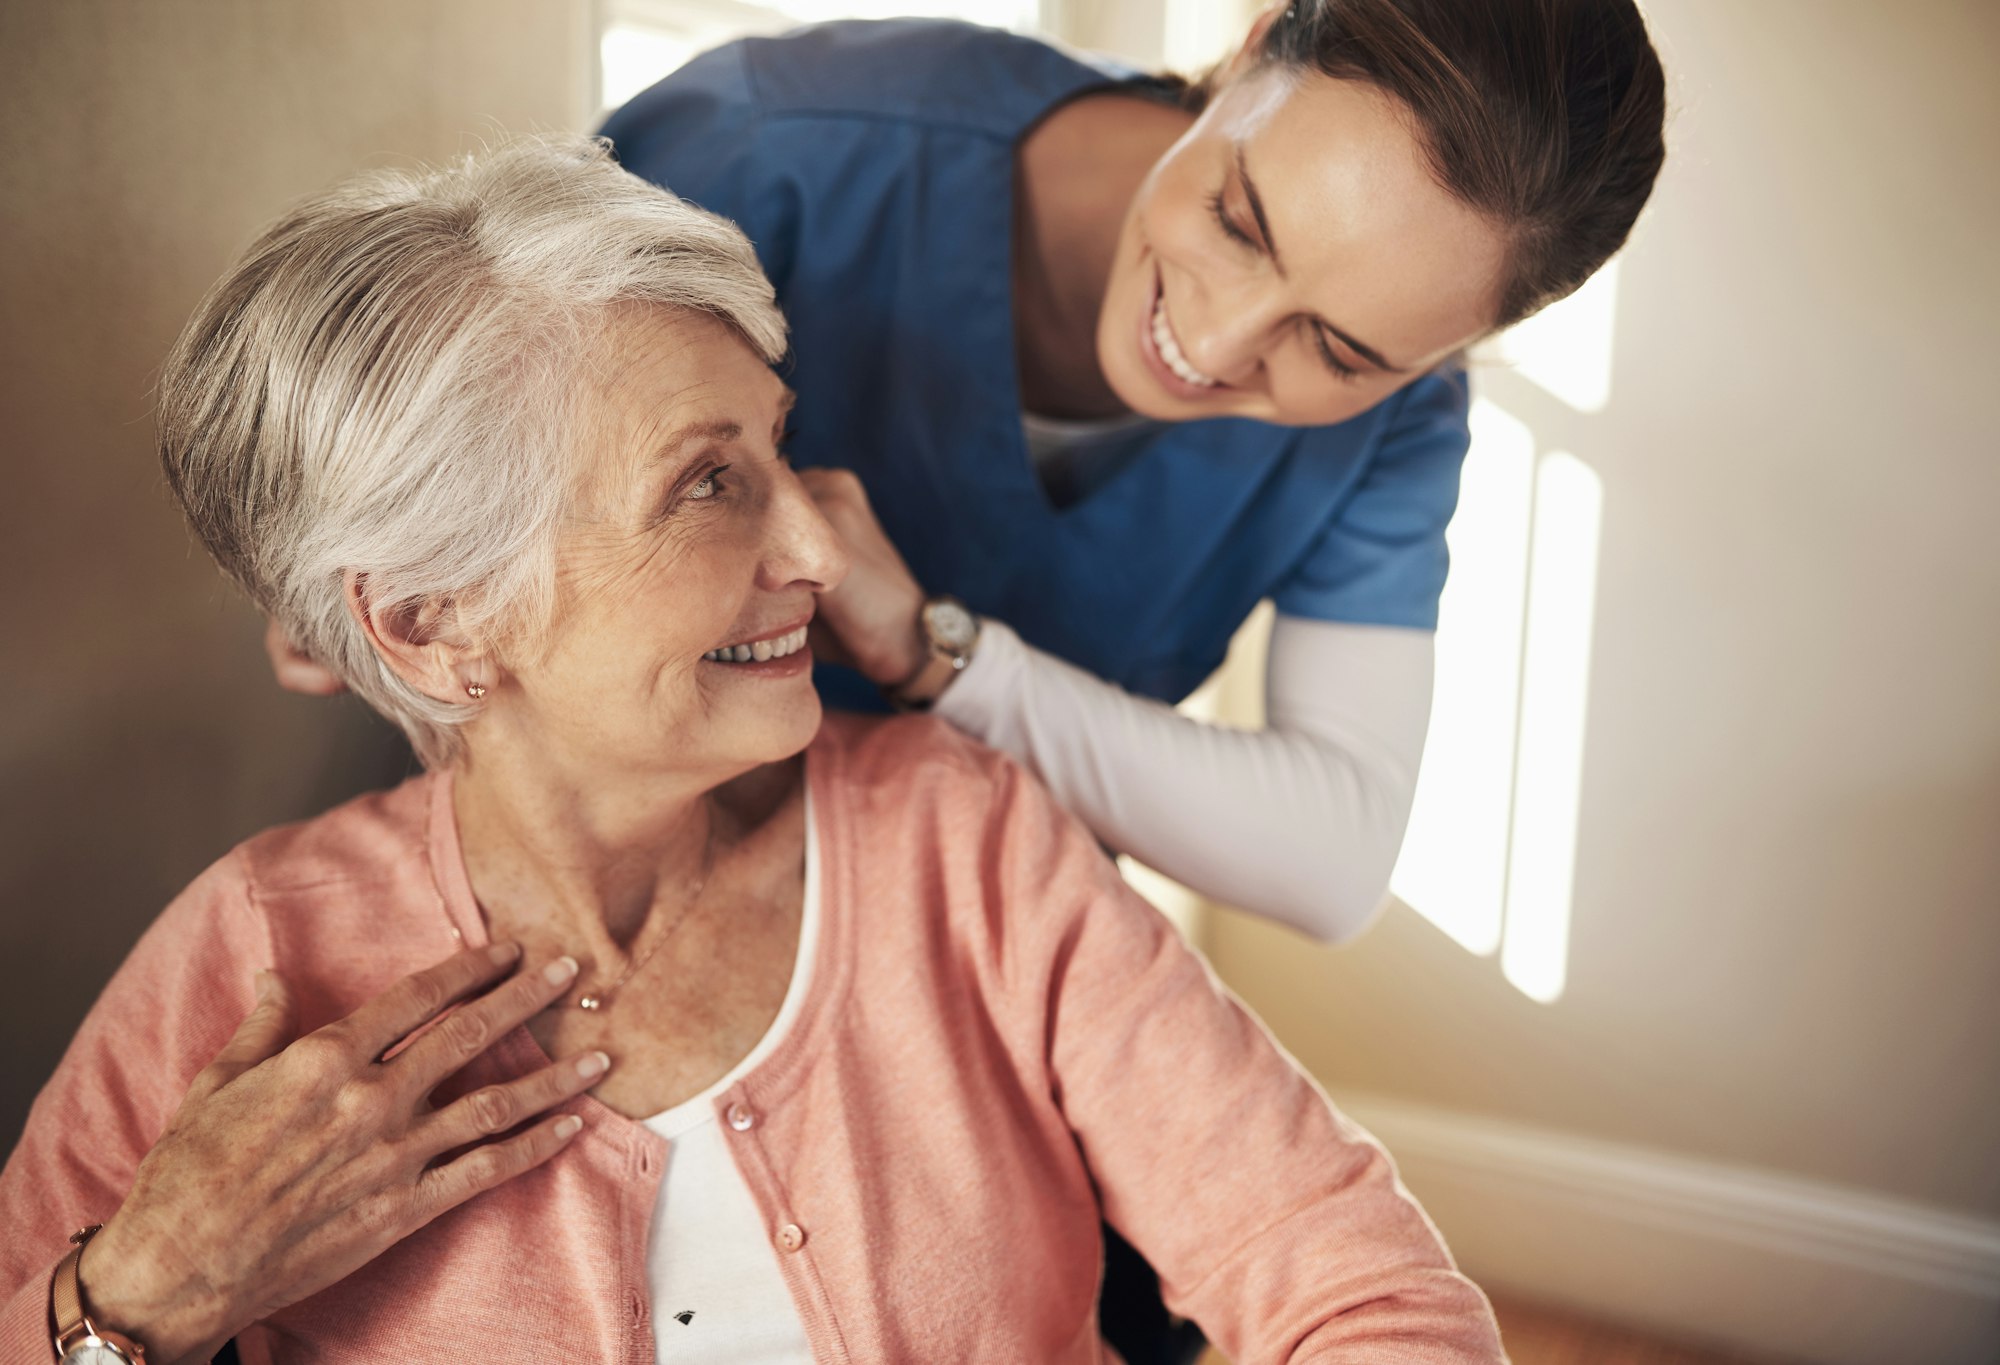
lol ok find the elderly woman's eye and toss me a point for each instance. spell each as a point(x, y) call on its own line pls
point(708, 486)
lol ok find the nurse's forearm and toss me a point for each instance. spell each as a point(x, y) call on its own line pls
point(1300, 822)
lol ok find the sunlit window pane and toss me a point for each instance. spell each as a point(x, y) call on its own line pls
point(1453, 868)
point(1562, 596)
point(1566, 348)
point(632, 58)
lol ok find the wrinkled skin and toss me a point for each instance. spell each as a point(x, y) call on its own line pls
point(294, 1161)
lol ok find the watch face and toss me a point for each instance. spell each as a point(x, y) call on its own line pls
point(951, 625)
point(95, 1351)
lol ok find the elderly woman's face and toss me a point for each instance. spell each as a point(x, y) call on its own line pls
point(694, 540)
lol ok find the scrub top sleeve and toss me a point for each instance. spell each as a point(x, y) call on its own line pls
point(1382, 560)
point(702, 134)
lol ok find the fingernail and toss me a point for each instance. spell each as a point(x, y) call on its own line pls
point(592, 1064)
point(559, 971)
point(568, 1126)
point(503, 953)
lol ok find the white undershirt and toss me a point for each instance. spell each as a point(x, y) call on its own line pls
point(1072, 457)
point(1300, 821)
point(709, 1253)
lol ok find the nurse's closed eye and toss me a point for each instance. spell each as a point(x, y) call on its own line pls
point(1325, 349)
point(1229, 226)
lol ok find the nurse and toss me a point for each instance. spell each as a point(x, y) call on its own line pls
point(1115, 358)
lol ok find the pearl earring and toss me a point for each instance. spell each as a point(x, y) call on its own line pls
point(475, 690)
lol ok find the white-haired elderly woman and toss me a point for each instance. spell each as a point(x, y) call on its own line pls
point(660, 1018)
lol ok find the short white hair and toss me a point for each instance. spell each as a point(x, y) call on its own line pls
point(384, 383)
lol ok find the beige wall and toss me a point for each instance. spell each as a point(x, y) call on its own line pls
point(145, 144)
point(1787, 909)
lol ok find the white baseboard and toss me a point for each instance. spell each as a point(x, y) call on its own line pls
point(1765, 1264)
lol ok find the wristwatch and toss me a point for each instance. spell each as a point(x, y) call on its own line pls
point(79, 1341)
point(951, 632)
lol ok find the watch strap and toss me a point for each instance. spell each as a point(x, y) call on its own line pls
point(945, 657)
point(72, 1320)
point(940, 666)
point(66, 1296)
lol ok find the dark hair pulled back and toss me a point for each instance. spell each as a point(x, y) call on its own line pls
point(1545, 115)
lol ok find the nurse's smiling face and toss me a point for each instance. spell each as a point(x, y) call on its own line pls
point(1292, 259)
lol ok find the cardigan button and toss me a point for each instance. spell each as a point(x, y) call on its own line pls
point(740, 1118)
point(791, 1236)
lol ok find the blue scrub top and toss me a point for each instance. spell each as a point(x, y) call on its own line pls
point(872, 165)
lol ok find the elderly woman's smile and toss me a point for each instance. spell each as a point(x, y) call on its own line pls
point(781, 648)
point(691, 539)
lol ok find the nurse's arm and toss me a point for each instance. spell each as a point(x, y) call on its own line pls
point(1300, 822)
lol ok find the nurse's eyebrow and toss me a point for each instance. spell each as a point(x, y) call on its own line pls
point(1362, 349)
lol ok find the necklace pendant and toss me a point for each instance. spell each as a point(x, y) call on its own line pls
point(590, 1002)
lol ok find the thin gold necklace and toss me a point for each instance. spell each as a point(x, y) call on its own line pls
point(598, 1000)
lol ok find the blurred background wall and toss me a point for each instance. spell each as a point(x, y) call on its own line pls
point(1686, 1011)
point(145, 145)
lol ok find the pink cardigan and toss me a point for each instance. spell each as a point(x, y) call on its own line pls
point(1000, 1044)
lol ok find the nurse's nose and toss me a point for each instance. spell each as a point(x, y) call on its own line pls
point(1232, 330)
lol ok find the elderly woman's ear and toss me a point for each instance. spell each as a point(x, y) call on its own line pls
point(420, 642)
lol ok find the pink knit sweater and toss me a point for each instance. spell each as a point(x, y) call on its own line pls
point(1000, 1045)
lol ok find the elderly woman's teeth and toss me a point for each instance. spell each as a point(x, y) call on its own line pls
point(791, 642)
point(1170, 349)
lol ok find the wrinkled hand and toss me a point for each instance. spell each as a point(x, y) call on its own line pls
point(297, 673)
point(291, 1164)
point(870, 620)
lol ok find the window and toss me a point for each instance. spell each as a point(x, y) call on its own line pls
point(1491, 853)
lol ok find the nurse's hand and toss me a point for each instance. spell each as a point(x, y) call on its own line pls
point(870, 620)
point(297, 673)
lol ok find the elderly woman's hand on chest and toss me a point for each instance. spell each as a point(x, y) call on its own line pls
point(294, 1160)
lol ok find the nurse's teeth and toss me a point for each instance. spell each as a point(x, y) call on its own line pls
point(760, 650)
point(1170, 349)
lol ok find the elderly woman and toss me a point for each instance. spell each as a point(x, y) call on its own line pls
point(758, 1035)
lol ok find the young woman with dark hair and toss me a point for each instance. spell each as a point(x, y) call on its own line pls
point(1115, 358)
